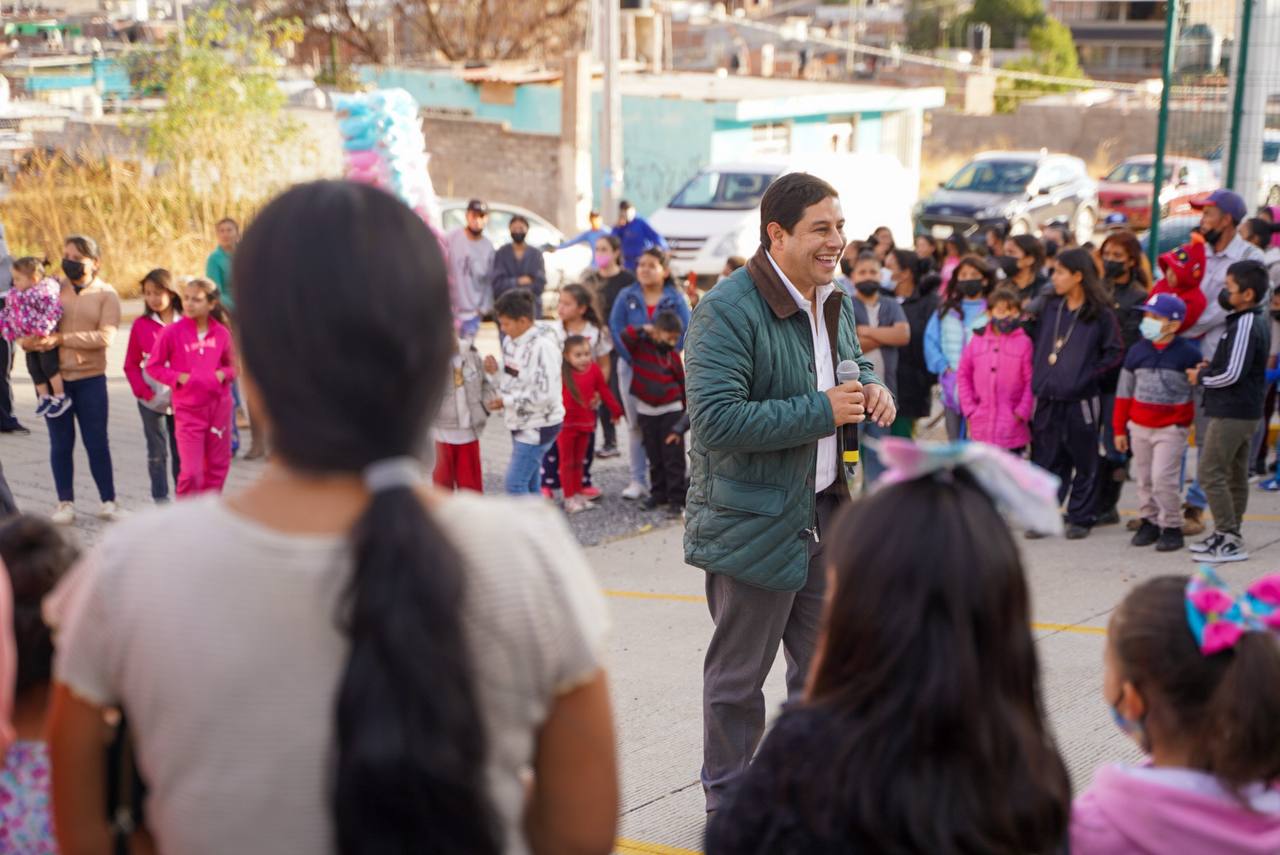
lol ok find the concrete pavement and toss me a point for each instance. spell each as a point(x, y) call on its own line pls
point(661, 626)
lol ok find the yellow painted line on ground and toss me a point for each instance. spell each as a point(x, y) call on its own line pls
point(639, 847)
point(692, 598)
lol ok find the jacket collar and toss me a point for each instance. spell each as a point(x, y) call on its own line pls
point(770, 286)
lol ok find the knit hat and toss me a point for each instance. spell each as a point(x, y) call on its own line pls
point(1186, 262)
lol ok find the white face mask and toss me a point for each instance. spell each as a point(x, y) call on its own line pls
point(886, 277)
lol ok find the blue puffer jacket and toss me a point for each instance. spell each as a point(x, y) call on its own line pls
point(756, 418)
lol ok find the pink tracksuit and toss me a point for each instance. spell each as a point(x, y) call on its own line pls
point(202, 405)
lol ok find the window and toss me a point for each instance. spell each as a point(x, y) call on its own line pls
point(1133, 173)
point(724, 191)
point(994, 176)
point(771, 138)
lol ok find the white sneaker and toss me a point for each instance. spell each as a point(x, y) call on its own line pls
point(1229, 548)
point(64, 514)
point(109, 512)
point(577, 504)
point(635, 490)
point(1209, 544)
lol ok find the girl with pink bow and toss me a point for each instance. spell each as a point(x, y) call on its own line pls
point(1193, 676)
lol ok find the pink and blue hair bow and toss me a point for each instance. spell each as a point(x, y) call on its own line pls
point(1218, 619)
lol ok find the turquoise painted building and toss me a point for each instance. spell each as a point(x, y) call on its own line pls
point(675, 124)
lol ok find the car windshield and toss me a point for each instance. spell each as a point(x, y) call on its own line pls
point(993, 176)
point(724, 191)
point(1133, 173)
point(1270, 152)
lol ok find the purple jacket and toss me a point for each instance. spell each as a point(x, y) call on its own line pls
point(994, 381)
point(1145, 811)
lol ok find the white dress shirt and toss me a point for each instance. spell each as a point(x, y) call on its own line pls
point(825, 369)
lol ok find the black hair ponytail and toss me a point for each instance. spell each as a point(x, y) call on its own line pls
point(409, 772)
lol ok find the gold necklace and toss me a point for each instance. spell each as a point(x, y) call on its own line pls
point(1061, 342)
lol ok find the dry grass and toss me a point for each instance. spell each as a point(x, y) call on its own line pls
point(139, 223)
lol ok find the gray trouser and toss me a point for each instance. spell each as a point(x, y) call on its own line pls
point(1224, 470)
point(750, 624)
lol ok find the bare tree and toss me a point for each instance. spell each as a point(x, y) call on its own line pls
point(488, 30)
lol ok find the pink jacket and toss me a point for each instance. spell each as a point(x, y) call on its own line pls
point(994, 381)
point(1147, 811)
point(179, 350)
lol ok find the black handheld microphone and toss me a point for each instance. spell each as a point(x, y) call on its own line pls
point(847, 371)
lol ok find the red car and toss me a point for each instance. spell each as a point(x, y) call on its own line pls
point(1127, 188)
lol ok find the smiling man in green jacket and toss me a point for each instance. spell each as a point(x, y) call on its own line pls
point(765, 482)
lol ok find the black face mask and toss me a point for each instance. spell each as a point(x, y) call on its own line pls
point(1212, 237)
point(74, 270)
point(867, 287)
point(846, 267)
point(1275, 313)
point(1008, 264)
point(1004, 326)
point(518, 237)
point(1051, 248)
point(1224, 300)
point(1113, 269)
point(970, 288)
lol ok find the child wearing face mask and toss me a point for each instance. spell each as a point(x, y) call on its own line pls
point(962, 313)
point(995, 377)
point(882, 330)
point(1153, 416)
point(1193, 676)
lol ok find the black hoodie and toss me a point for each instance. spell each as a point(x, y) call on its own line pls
point(915, 382)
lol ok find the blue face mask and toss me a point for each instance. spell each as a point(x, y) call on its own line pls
point(1151, 328)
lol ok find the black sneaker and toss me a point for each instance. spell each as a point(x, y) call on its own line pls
point(1210, 543)
point(1170, 540)
point(1029, 534)
point(1147, 534)
point(15, 427)
point(1078, 532)
point(649, 503)
point(1111, 517)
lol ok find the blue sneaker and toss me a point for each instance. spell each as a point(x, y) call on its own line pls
point(1271, 485)
point(45, 403)
point(58, 407)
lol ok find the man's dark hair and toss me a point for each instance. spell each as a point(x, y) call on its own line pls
point(668, 321)
point(227, 221)
point(1251, 275)
point(36, 555)
point(518, 218)
point(787, 198)
point(515, 304)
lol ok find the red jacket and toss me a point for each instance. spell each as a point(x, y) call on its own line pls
point(589, 383)
point(179, 350)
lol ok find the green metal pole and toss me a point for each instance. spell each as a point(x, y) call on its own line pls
point(1162, 129)
point(1237, 106)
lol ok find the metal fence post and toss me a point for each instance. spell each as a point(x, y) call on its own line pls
point(1237, 102)
point(1162, 129)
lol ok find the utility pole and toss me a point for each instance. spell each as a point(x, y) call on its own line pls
point(611, 115)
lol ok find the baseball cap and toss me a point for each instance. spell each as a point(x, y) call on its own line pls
point(478, 206)
point(1116, 219)
point(1167, 306)
point(1225, 201)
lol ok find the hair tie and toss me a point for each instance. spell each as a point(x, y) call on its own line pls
point(1026, 494)
point(1218, 620)
point(392, 473)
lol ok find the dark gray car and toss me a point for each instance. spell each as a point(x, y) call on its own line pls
point(1024, 191)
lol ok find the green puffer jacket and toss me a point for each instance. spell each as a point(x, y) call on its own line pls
point(756, 418)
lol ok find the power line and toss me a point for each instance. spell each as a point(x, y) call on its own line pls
point(917, 59)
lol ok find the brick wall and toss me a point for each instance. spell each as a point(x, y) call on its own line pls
point(487, 160)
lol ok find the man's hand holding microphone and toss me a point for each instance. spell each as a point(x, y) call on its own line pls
point(852, 403)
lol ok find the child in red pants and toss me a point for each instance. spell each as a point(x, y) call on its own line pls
point(195, 357)
point(457, 428)
point(584, 389)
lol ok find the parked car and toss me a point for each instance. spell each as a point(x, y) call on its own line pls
point(717, 214)
point(1024, 190)
point(563, 267)
point(1174, 232)
point(1269, 178)
point(1127, 188)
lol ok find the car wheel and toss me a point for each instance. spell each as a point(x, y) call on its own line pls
point(1084, 223)
point(1019, 227)
point(1273, 197)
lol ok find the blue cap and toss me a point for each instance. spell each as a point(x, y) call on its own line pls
point(1115, 219)
point(1169, 306)
point(1225, 201)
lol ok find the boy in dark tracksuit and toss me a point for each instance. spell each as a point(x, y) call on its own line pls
point(658, 385)
point(1234, 387)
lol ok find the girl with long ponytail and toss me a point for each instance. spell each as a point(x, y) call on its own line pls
point(349, 662)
